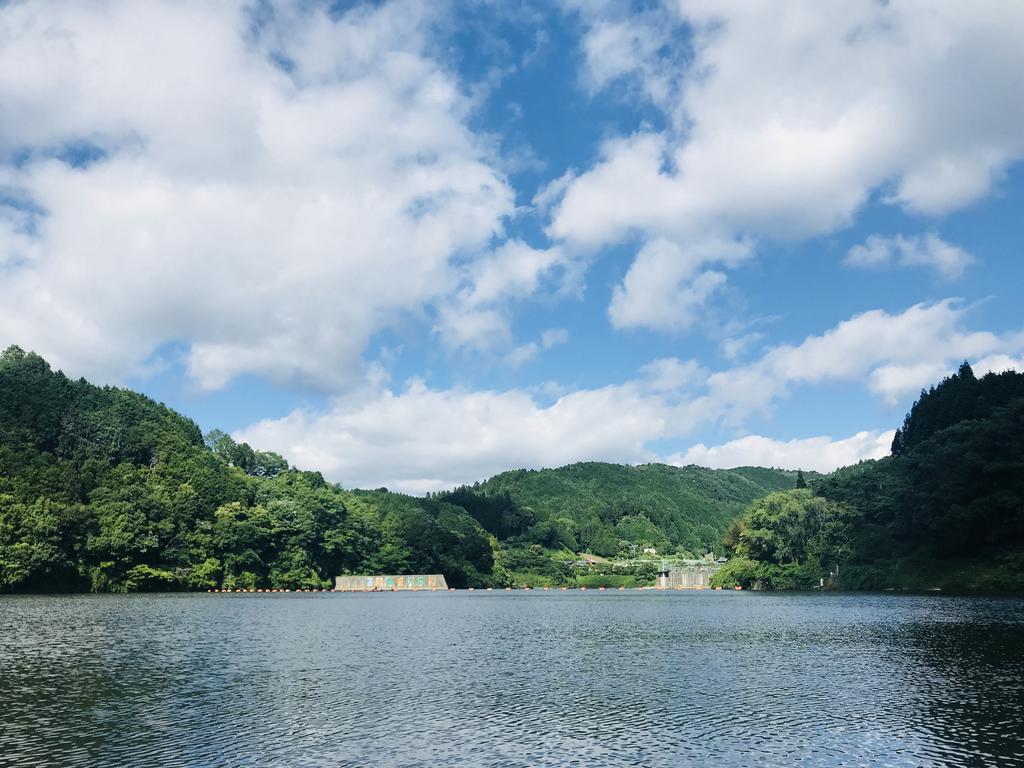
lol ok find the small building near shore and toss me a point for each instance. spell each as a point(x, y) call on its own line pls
point(403, 583)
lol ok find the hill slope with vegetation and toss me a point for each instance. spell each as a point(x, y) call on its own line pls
point(944, 511)
point(603, 508)
point(103, 489)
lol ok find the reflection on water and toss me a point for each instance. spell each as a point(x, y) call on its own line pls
point(511, 679)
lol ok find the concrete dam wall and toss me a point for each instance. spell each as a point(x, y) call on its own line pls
point(389, 583)
point(687, 577)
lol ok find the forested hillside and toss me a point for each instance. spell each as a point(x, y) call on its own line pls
point(103, 489)
point(594, 506)
point(946, 510)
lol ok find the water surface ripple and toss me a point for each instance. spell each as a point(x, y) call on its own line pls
point(511, 679)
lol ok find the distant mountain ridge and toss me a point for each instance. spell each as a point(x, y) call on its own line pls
point(657, 505)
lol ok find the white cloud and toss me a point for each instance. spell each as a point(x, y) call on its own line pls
point(552, 337)
point(670, 374)
point(999, 363)
point(635, 49)
point(461, 436)
point(790, 116)
point(522, 354)
point(734, 348)
point(896, 380)
point(665, 286)
point(525, 353)
point(950, 261)
point(897, 354)
point(477, 316)
point(819, 454)
point(271, 219)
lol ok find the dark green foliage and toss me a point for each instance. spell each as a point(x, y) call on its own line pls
point(958, 485)
point(497, 513)
point(255, 463)
point(960, 397)
point(754, 574)
point(103, 489)
point(609, 508)
point(953, 492)
point(787, 540)
point(532, 566)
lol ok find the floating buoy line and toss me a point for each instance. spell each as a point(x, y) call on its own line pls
point(470, 589)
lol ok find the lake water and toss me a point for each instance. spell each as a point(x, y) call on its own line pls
point(511, 679)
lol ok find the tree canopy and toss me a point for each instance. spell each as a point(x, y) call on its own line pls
point(103, 489)
point(952, 493)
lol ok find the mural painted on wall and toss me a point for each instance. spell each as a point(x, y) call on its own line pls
point(390, 583)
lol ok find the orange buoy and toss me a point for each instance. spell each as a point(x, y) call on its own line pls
point(738, 587)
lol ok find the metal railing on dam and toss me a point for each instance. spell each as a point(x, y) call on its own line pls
point(433, 581)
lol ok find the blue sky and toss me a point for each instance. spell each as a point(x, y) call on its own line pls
point(415, 244)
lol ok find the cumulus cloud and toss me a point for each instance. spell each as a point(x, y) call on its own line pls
point(477, 316)
point(948, 260)
point(422, 438)
point(1000, 363)
point(896, 353)
point(269, 190)
point(789, 117)
point(670, 374)
point(734, 347)
point(525, 353)
point(552, 337)
point(820, 454)
point(666, 286)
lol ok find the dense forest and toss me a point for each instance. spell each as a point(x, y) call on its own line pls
point(103, 489)
point(944, 511)
point(593, 506)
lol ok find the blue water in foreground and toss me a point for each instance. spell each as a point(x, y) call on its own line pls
point(511, 679)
